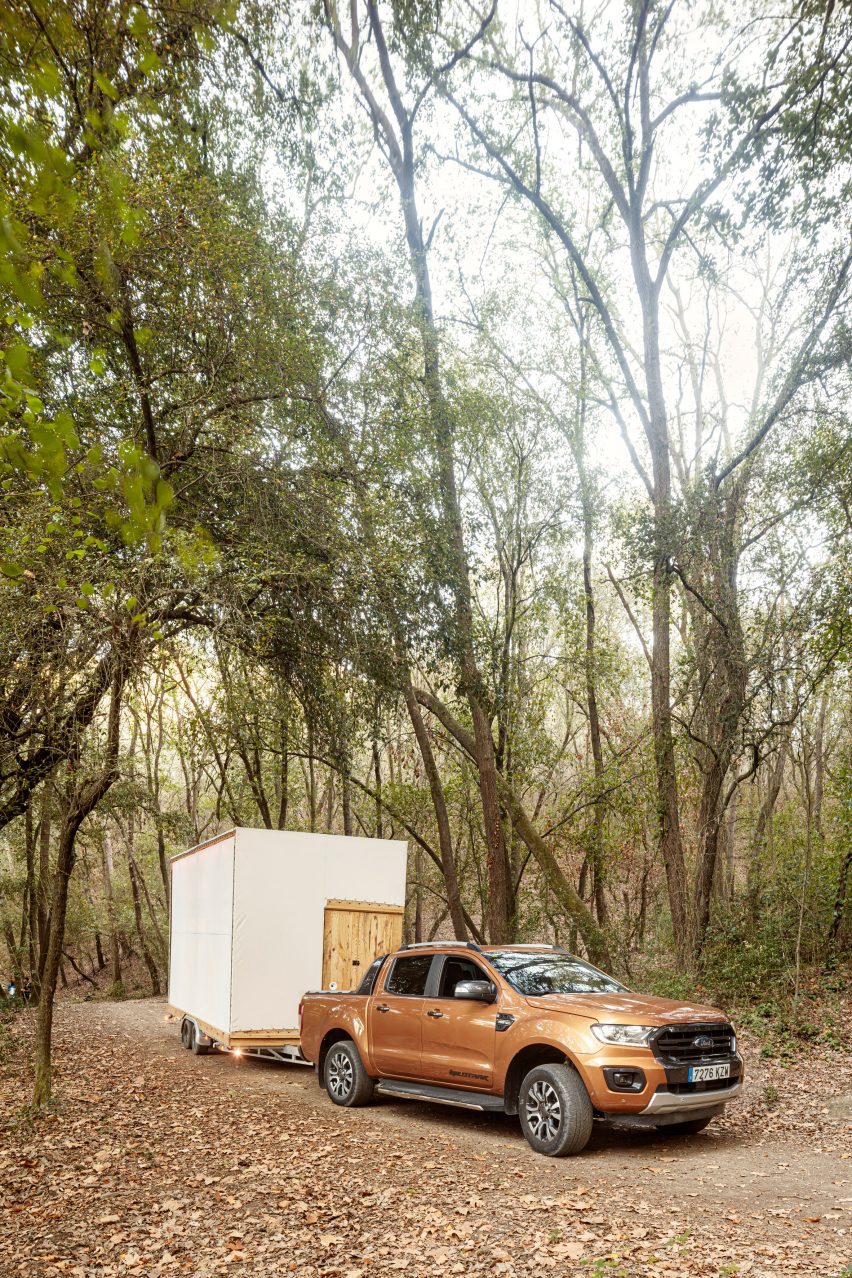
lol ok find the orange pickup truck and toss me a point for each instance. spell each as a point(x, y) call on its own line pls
point(521, 1029)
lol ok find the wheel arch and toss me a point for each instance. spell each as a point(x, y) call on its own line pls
point(523, 1061)
point(332, 1036)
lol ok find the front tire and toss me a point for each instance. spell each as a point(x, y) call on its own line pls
point(555, 1110)
point(346, 1080)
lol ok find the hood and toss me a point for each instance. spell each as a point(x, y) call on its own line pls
point(627, 1009)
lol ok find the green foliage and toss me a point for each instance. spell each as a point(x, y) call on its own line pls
point(797, 173)
point(667, 982)
point(63, 151)
point(218, 464)
point(785, 1027)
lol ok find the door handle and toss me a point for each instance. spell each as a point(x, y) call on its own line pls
point(382, 1007)
point(436, 1015)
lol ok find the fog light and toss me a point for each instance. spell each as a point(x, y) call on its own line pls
point(624, 1080)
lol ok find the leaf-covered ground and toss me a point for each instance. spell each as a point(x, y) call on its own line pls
point(157, 1162)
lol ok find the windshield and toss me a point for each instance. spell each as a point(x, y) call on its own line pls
point(551, 974)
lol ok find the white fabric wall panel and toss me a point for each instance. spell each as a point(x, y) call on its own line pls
point(202, 912)
point(282, 881)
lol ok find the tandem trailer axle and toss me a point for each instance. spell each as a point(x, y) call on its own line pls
point(197, 1040)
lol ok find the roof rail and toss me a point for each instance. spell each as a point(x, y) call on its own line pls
point(423, 945)
point(529, 945)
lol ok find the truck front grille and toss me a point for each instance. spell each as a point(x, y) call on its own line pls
point(692, 1044)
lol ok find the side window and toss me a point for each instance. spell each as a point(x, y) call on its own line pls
point(409, 975)
point(371, 975)
point(455, 970)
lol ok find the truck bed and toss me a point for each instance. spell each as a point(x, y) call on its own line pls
point(321, 1008)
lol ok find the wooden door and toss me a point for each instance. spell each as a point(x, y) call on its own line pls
point(355, 933)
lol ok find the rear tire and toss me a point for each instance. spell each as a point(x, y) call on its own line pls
point(689, 1127)
point(185, 1032)
point(346, 1080)
point(555, 1110)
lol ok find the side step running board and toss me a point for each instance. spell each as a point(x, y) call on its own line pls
point(441, 1095)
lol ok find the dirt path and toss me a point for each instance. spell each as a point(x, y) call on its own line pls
point(160, 1162)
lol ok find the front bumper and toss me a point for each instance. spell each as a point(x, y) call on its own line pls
point(666, 1089)
point(666, 1102)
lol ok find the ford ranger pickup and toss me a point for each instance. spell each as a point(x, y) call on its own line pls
point(521, 1029)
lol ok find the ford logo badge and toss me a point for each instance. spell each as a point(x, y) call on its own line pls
point(702, 1042)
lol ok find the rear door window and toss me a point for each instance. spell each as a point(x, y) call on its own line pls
point(409, 976)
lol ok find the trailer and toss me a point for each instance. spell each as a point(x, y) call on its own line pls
point(260, 916)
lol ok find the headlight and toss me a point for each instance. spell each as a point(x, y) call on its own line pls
point(625, 1035)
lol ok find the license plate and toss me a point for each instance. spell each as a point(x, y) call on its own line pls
point(704, 1073)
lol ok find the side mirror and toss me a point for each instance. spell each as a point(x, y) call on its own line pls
point(479, 991)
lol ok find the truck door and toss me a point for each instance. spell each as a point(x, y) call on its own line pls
point(395, 1017)
point(459, 1035)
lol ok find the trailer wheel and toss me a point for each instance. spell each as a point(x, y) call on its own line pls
point(346, 1080)
point(185, 1031)
point(197, 1048)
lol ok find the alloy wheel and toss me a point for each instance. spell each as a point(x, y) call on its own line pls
point(341, 1075)
point(543, 1111)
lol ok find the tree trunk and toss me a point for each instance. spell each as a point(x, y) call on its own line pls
point(377, 775)
point(819, 762)
point(80, 802)
point(596, 852)
point(595, 940)
point(312, 781)
point(839, 907)
point(12, 947)
point(162, 943)
point(418, 895)
point(77, 968)
point(731, 847)
point(500, 905)
point(657, 433)
point(284, 776)
point(164, 864)
point(400, 151)
point(43, 883)
point(29, 933)
point(442, 819)
point(117, 987)
point(710, 827)
point(147, 956)
point(346, 800)
point(587, 501)
point(668, 809)
point(329, 803)
point(764, 818)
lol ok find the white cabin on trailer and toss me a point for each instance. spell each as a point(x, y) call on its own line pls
point(260, 916)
